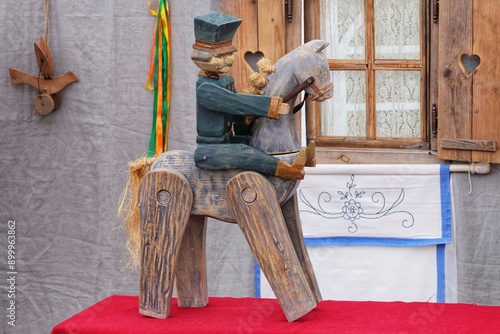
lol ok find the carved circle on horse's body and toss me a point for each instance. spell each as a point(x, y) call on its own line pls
point(274, 136)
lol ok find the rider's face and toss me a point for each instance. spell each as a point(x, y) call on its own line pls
point(224, 62)
point(219, 64)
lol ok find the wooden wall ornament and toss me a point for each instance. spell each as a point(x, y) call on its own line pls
point(47, 85)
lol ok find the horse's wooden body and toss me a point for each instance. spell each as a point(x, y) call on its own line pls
point(209, 187)
point(176, 198)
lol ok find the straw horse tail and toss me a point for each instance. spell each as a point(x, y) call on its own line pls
point(128, 209)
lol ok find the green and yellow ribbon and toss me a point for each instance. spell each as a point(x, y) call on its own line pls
point(159, 79)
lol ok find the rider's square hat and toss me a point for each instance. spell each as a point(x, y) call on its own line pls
point(214, 32)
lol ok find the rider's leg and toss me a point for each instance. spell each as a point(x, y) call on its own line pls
point(241, 156)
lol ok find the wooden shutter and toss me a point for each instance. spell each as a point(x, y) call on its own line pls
point(468, 119)
point(265, 28)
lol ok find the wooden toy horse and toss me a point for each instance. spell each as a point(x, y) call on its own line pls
point(176, 198)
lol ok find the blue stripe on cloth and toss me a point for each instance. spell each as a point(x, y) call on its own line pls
point(371, 241)
point(257, 278)
point(441, 276)
point(445, 202)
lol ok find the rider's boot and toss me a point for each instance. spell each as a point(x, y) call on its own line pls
point(311, 155)
point(294, 170)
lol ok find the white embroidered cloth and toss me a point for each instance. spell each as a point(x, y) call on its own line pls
point(376, 204)
point(397, 223)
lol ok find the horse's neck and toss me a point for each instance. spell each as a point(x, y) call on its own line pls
point(282, 81)
point(277, 136)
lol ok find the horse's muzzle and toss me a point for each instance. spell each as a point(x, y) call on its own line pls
point(321, 94)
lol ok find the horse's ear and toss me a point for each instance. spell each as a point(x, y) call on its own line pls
point(317, 45)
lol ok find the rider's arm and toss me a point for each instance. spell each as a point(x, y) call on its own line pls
point(222, 100)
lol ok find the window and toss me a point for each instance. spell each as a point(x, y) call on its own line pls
point(378, 61)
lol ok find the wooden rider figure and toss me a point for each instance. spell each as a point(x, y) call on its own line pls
point(220, 110)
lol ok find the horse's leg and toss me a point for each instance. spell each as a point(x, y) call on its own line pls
point(165, 204)
point(252, 199)
point(292, 219)
point(191, 271)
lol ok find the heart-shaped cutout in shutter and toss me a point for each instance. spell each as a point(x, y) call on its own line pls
point(469, 63)
point(252, 58)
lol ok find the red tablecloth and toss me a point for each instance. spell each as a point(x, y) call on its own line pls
point(119, 314)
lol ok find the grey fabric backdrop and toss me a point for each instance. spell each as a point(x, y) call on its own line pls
point(61, 175)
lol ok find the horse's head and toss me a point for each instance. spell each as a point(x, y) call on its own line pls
point(313, 63)
point(278, 136)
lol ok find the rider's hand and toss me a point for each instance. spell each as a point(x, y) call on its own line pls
point(277, 107)
point(284, 109)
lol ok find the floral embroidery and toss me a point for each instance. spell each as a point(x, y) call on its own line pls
point(353, 210)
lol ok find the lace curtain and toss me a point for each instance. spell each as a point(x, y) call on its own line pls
point(397, 92)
